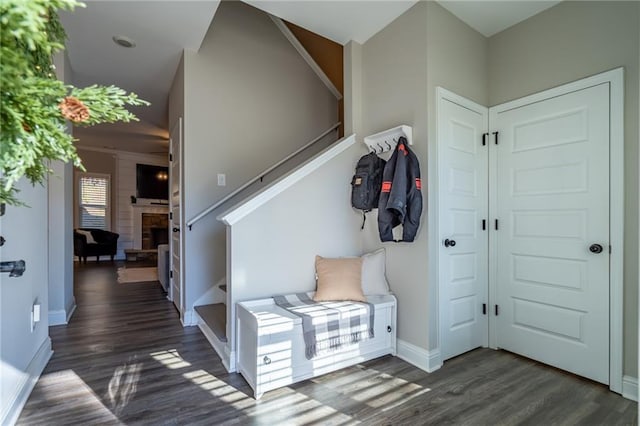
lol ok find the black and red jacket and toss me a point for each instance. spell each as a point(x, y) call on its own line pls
point(401, 196)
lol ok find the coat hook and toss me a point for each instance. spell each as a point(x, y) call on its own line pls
point(389, 146)
point(381, 147)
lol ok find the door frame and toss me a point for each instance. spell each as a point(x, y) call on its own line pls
point(442, 95)
point(615, 79)
point(177, 126)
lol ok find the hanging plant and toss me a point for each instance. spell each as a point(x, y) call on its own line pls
point(34, 104)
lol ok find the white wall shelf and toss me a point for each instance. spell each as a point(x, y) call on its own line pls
point(388, 139)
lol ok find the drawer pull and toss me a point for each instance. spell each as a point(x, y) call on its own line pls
point(388, 329)
point(266, 360)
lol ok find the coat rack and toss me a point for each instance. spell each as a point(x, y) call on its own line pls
point(388, 139)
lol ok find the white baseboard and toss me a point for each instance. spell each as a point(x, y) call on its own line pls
point(428, 361)
point(61, 316)
point(12, 410)
point(58, 317)
point(630, 388)
point(227, 357)
point(71, 310)
point(190, 318)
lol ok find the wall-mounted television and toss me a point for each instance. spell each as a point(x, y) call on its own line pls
point(152, 182)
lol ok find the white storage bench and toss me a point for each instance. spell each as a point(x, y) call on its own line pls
point(271, 349)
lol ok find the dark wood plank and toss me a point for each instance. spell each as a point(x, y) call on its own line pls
point(125, 359)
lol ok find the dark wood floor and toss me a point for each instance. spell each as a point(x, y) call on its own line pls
point(125, 359)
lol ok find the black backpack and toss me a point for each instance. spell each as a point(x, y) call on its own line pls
point(367, 183)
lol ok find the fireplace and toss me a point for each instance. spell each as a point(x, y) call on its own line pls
point(154, 230)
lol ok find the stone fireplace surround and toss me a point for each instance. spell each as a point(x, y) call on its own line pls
point(138, 211)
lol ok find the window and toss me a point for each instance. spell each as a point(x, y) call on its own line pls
point(94, 194)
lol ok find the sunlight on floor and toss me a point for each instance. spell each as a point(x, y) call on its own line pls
point(64, 386)
point(170, 359)
point(375, 388)
point(123, 386)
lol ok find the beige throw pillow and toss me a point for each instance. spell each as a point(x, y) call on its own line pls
point(373, 273)
point(339, 279)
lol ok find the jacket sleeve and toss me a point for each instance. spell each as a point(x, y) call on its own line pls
point(386, 218)
point(398, 195)
point(414, 201)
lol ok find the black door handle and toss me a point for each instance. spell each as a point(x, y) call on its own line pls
point(176, 229)
point(449, 243)
point(15, 268)
point(595, 248)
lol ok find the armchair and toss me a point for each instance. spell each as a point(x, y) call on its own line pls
point(106, 244)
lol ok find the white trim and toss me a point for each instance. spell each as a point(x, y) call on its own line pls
point(251, 203)
point(190, 318)
point(428, 361)
point(61, 316)
point(12, 410)
point(71, 309)
point(306, 56)
point(178, 140)
point(220, 347)
point(616, 195)
point(630, 388)
point(58, 317)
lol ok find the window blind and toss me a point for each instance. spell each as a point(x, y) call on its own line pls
point(94, 200)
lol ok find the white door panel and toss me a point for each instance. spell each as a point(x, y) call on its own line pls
point(176, 213)
point(552, 201)
point(462, 165)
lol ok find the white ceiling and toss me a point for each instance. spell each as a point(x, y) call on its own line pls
point(491, 17)
point(163, 28)
point(337, 20)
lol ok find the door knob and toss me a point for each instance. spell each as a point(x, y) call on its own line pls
point(176, 229)
point(449, 243)
point(595, 248)
point(15, 268)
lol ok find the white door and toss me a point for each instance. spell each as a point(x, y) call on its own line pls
point(552, 206)
point(175, 205)
point(463, 201)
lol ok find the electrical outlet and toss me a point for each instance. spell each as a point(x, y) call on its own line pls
point(222, 179)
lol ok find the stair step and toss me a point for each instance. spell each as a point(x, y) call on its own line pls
point(223, 287)
point(215, 316)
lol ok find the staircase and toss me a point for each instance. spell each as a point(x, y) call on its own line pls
point(216, 320)
point(213, 318)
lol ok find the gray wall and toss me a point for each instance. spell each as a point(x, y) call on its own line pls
point(398, 87)
point(565, 43)
point(394, 91)
point(249, 101)
point(457, 61)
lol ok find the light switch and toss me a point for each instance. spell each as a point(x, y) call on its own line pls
point(222, 179)
point(36, 313)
